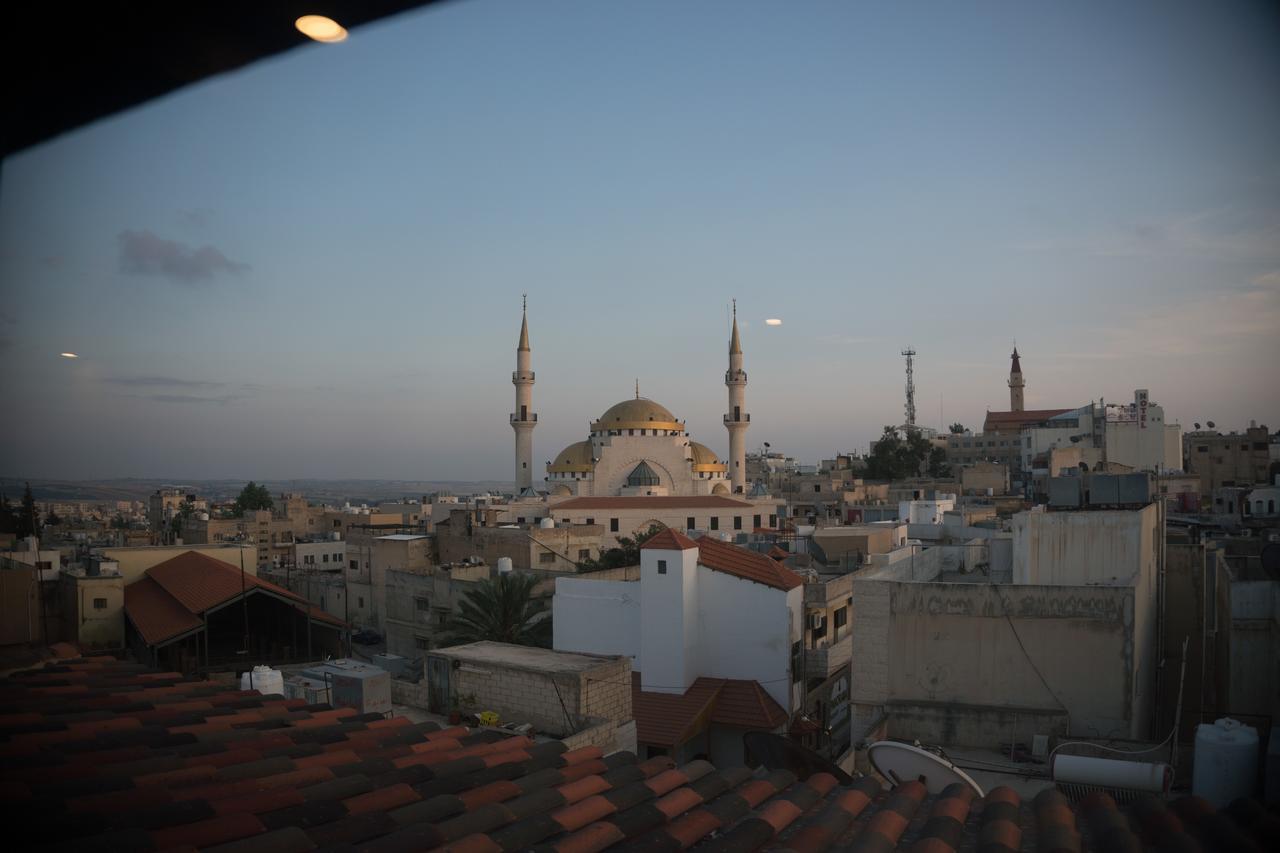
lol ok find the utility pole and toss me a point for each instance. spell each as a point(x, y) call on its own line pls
point(911, 387)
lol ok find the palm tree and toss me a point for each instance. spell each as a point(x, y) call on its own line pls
point(503, 610)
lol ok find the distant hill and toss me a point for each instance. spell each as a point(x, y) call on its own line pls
point(320, 491)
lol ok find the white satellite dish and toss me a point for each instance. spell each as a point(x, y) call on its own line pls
point(902, 762)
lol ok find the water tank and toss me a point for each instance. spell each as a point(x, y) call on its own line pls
point(335, 536)
point(547, 523)
point(1081, 773)
point(1226, 761)
point(263, 679)
point(204, 516)
point(504, 565)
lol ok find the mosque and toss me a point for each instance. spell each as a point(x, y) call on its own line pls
point(637, 448)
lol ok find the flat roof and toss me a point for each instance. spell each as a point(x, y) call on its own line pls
point(403, 537)
point(524, 657)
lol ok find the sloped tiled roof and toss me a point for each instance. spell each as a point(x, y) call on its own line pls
point(668, 719)
point(1007, 420)
point(100, 754)
point(669, 540)
point(170, 599)
point(745, 563)
point(654, 502)
point(156, 614)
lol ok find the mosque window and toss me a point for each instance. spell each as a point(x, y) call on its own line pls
point(737, 522)
point(613, 525)
point(715, 522)
point(688, 523)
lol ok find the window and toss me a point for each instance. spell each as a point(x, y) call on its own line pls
point(99, 604)
point(520, 520)
point(420, 602)
point(360, 601)
point(546, 557)
point(737, 522)
point(584, 553)
point(337, 558)
point(817, 487)
point(421, 644)
point(688, 523)
point(355, 566)
point(715, 522)
point(591, 521)
point(773, 520)
point(841, 617)
point(613, 525)
point(326, 557)
point(662, 567)
point(755, 521)
point(1204, 448)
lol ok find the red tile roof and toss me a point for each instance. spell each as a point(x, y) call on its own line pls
point(670, 719)
point(1008, 420)
point(746, 564)
point(170, 600)
point(654, 502)
point(669, 540)
point(143, 760)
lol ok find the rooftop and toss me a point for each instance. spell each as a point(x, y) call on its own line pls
point(109, 755)
point(746, 564)
point(525, 657)
point(654, 502)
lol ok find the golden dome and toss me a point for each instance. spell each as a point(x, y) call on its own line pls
point(577, 457)
point(705, 460)
point(640, 413)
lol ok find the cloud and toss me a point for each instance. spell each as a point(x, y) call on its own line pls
point(187, 398)
point(196, 218)
point(145, 254)
point(162, 381)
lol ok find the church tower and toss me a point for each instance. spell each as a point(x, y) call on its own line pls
point(737, 421)
point(523, 420)
point(1016, 384)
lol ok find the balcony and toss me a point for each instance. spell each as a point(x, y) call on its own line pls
point(741, 419)
point(518, 377)
point(828, 658)
point(531, 418)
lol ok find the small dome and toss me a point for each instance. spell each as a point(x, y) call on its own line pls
point(640, 413)
point(577, 457)
point(704, 459)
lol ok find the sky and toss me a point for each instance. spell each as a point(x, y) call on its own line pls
point(313, 267)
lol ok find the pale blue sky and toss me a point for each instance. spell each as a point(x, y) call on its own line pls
point(1099, 180)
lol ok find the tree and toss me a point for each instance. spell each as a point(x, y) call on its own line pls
point(502, 610)
point(626, 554)
point(938, 465)
point(252, 497)
point(8, 518)
point(52, 519)
point(957, 428)
point(896, 458)
point(28, 515)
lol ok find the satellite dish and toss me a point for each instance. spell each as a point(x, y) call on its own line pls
point(903, 762)
point(777, 753)
point(1197, 426)
point(1210, 423)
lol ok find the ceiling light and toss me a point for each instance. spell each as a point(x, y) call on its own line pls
point(773, 321)
point(320, 28)
point(68, 355)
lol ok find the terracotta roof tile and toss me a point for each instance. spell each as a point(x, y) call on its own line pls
point(156, 614)
point(668, 719)
point(491, 793)
point(746, 564)
point(669, 540)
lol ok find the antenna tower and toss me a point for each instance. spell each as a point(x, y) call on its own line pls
point(911, 387)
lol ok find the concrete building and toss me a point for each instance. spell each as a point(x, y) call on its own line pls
point(625, 516)
point(558, 548)
point(27, 555)
point(93, 605)
point(582, 699)
point(926, 511)
point(706, 623)
point(1231, 459)
point(849, 546)
point(984, 478)
point(133, 561)
point(1067, 648)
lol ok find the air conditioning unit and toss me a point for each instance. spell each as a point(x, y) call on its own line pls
point(817, 620)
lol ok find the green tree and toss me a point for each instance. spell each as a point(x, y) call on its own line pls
point(626, 554)
point(938, 464)
point(28, 515)
point(502, 609)
point(252, 497)
point(896, 458)
point(8, 518)
point(957, 428)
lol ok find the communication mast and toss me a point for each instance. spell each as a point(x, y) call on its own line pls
point(911, 388)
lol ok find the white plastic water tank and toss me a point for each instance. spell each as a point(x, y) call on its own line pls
point(204, 516)
point(335, 536)
point(547, 523)
point(1112, 773)
point(1226, 761)
point(263, 679)
point(504, 565)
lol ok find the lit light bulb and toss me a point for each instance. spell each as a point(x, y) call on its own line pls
point(320, 28)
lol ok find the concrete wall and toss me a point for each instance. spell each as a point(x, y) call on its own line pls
point(1255, 649)
point(86, 624)
point(746, 630)
point(597, 616)
point(963, 644)
point(911, 563)
point(134, 562)
point(1087, 547)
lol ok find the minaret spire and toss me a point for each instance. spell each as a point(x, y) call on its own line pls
point(1016, 382)
point(737, 420)
point(523, 419)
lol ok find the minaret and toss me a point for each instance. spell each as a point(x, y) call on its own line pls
point(737, 421)
point(1016, 384)
point(523, 420)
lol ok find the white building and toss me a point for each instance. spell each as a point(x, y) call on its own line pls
point(926, 512)
point(1133, 434)
point(715, 632)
